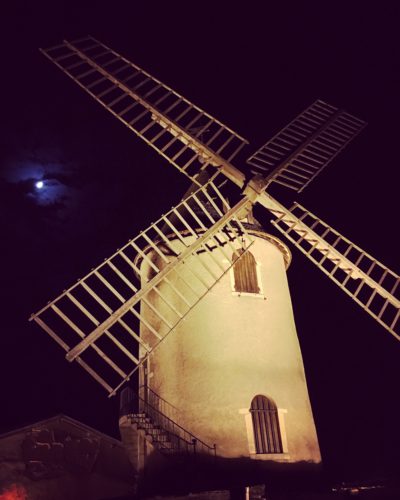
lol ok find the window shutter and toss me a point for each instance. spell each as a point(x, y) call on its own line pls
point(267, 434)
point(245, 272)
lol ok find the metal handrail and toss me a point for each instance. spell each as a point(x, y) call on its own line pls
point(158, 402)
point(181, 439)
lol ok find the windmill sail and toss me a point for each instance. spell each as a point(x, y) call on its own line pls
point(181, 132)
point(97, 320)
point(371, 284)
point(301, 150)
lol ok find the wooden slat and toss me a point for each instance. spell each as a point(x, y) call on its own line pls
point(307, 143)
point(150, 108)
point(308, 233)
point(108, 295)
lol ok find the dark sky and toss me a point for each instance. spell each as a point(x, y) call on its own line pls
point(254, 69)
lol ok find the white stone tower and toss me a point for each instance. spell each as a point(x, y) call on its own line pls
point(235, 346)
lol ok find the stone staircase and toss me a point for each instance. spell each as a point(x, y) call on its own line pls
point(157, 436)
point(150, 417)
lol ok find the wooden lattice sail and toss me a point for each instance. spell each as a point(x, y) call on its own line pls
point(97, 319)
point(302, 149)
point(185, 135)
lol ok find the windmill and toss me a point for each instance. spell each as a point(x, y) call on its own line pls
point(197, 304)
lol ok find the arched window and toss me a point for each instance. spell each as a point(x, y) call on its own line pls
point(267, 435)
point(245, 272)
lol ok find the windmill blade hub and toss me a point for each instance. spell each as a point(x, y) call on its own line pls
point(255, 187)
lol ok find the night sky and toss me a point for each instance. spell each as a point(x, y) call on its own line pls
point(254, 70)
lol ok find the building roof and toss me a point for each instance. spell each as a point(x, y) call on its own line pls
point(63, 420)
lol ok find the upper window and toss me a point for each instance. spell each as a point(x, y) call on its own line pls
point(267, 435)
point(245, 273)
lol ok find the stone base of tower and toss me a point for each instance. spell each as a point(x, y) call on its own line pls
point(183, 476)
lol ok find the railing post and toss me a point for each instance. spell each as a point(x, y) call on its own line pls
point(146, 388)
point(194, 442)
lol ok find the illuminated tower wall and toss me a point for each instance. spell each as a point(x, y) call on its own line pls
point(231, 348)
